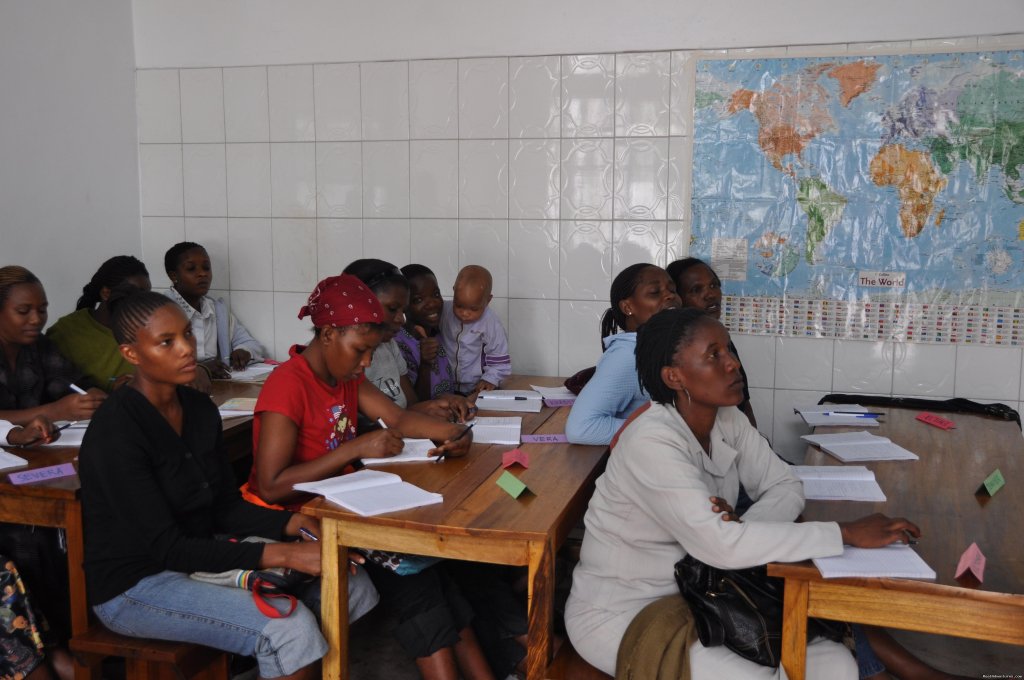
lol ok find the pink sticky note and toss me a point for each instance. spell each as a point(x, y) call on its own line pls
point(937, 421)
point(42, 474)
point(510, 458)
point(972, 560)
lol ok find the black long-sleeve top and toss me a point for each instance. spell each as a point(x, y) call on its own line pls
point(153, 500)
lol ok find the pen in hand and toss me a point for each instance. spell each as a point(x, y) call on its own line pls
point(75, 388)
point(308, 534)
point(441, 456)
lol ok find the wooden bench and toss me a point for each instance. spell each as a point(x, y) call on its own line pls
point(146, 659)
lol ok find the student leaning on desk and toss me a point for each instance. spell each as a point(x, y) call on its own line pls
point(157, 491)
point(672, 479)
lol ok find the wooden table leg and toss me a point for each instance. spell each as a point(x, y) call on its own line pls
point(541, 605)
point(794, 629)
point(76, 572)
point(334, 600)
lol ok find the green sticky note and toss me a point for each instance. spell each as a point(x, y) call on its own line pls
point(511, 484)
point(994, 482)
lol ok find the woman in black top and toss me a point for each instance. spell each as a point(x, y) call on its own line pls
point(157, 490)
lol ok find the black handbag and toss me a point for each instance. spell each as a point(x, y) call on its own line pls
point(742, 609)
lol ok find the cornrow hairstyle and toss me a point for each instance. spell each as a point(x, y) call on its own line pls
point(412, 271)
point(11, 276)
point(172, 258)
point(657, 342)
point(110, 274)
point(623, 287)
point(378, 275)
point(130, 309)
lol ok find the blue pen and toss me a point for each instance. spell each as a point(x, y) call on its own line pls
point(457, 437)
point(308, 534)
point(854, 414)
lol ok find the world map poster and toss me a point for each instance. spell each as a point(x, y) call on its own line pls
point(872, 197)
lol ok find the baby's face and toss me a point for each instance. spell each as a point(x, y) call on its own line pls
point(469, 303)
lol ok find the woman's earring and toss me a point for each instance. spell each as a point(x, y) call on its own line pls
point(689, 402)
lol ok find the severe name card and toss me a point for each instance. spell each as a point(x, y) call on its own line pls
point(500, 430)
point(935, 421)
point(860, 446)
point(525, 401)
point(892, 561)
point(838, 483)
point(972, 562)
point(515, 456)
point(511, 484)
point(556, 396)
point(414, 451)
point(837, 415)
point(371, 492)
point(42, 474)
point(545, 439)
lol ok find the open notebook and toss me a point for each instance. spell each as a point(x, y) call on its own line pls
point(859, 446)
point(415, 451)
point(892, 561)
point(371, 492)
point(838, 483)
point(500, 430)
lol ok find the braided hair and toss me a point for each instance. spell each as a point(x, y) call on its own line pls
point(111, 273)
point(130, 310)
point(657, 342)
point(11, 276)
point(623, 286)
point(676, 269)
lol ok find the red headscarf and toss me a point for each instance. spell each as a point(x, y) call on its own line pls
point(342, 301)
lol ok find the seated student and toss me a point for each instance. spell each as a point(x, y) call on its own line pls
point(699, 286)
point(157, 491)
point(84, 336)
point(672, 479)
point(387, 369)
point(35, 379)
point(472, 334)
point(427, 365)
point(39, 430)
point(305, 429)
point(36, 388)
point(637, 293)
point(29, 652)
point(221, 340)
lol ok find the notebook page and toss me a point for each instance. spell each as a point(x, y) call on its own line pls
point(72, 436)
point(415, 451)
point(9, 460)
point(843, 490)
point(508, 394)
point(892, 561)
point(837, 420)
point(357, 480)
point(388, 498)
point(560, 392)
point(869, 451)
point(846, 472)
point(843, 438)
point(500, 430)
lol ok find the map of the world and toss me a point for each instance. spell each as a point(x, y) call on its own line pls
point(863, 178)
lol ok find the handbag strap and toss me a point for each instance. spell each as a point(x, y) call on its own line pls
point(262, 598)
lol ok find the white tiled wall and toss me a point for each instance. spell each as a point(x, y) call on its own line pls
point(555, 172)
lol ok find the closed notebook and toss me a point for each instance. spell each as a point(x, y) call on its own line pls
point(523, 401)
point(371, 492)
point(892, 561)
point(497, 430)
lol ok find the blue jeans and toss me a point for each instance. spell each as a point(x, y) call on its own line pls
point(171, 606)
point(868, 663)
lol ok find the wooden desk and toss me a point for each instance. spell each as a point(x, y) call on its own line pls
point(55, 503)
point(937, 493)
point(477, 521)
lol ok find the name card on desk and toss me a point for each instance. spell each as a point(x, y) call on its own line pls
point(42, 474)
point(544, 439)
point(511, 484)
point(972, 561)
point(510, 458)
point(936, 421)
point(994, 482)
point(555, 403)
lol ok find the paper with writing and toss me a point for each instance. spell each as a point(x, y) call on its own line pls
point(892, 561)
point(545, 439)
point(414, 451)
point(936, 421)
point(838, 483)
point(497, 430)
point(42, 474)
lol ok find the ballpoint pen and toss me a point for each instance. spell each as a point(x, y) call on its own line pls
point(313, 537)
point(853, 414)
point(75, 388)
point(441, 456)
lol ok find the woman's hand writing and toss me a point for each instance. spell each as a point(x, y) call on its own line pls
point(380, 444)
point(877, 531)
point(39, 430)
point(77, 406)
point(456, 445)
point(240, 358)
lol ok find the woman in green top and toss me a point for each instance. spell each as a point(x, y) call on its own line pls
point(84, 336)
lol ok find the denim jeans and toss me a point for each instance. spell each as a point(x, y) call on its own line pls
point(171, 606)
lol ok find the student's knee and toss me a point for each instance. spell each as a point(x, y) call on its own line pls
point(289, 644)
point(362, 595)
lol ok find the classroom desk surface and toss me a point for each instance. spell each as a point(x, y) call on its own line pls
point(477, 521)
point(55, 503)
point(937, 493)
